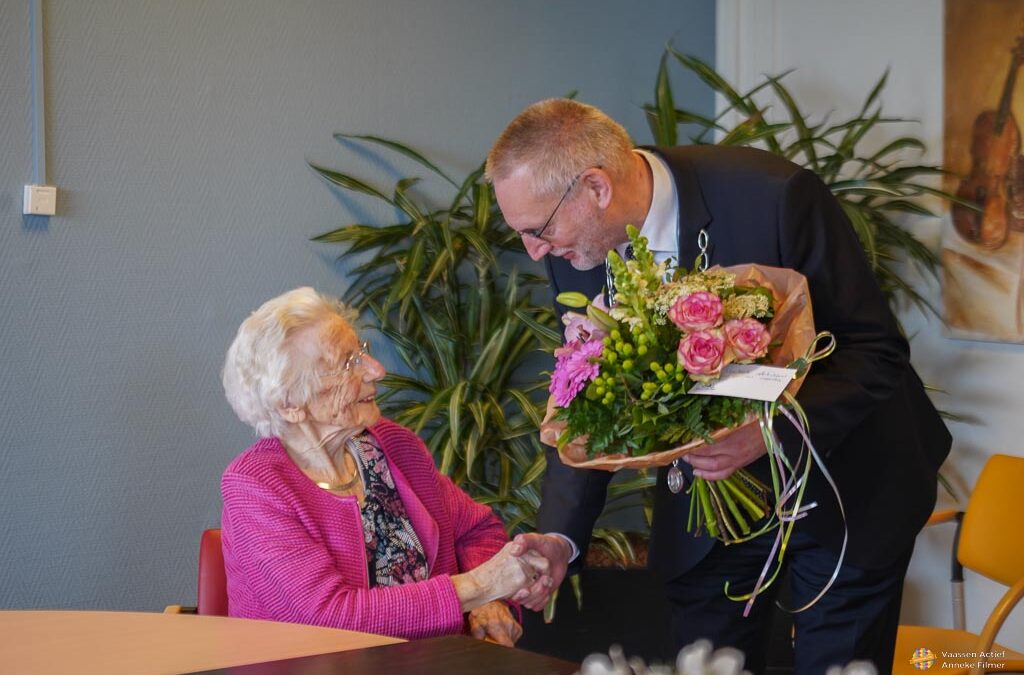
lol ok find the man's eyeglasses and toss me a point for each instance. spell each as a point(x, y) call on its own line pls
point(536, 233)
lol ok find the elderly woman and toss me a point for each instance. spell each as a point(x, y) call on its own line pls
point(336, 517)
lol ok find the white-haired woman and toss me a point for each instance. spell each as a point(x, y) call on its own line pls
point(336, 517)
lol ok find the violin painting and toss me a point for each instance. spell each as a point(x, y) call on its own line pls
point(997, 169)
point(983, 242)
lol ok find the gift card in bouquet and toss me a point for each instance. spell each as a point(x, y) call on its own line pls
point(761, 383)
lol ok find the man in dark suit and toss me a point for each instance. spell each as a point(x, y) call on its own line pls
point(568, 179)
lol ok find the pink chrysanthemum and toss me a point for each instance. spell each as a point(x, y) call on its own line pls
point(574, 370)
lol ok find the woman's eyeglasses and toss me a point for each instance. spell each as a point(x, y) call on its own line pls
point(355, 359)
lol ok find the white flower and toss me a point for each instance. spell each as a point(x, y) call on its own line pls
point(746, 306)
point(695, 659)
point(698, 659)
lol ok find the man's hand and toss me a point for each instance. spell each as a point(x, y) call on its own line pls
point(557, 552)
point(494, 622)
point(718, 460)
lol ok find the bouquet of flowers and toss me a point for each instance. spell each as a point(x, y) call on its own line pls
point(635, 383)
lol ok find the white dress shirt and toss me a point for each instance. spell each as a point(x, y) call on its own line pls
point(663, 215)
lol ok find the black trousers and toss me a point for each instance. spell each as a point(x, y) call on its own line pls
point(856, 620)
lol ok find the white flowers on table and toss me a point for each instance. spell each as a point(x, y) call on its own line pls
point(695, 659)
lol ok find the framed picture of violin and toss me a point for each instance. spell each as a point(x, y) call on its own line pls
point(983, 246)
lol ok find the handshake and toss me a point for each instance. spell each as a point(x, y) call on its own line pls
point(526, 570)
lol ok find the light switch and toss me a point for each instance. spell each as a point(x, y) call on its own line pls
point(40, 200)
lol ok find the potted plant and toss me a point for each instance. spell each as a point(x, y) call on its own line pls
point(462, 327)
point(875, 187)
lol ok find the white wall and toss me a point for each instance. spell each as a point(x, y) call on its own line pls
point(839, 50)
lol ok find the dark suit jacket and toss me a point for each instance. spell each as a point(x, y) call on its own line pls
point(870, 419)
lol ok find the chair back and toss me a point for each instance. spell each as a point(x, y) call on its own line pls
point(212, 587)
point(990, 541)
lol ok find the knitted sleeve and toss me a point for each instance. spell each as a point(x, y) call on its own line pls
point(295, 578)
point(478, 532)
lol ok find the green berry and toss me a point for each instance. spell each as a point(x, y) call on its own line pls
point(669, 368)
point(667, 387)
point(616, 335)
point(627, 364)
point(641, 350)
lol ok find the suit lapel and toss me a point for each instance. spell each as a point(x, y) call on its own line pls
point(693, 213)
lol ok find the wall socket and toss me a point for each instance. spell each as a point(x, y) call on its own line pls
point(40, 200)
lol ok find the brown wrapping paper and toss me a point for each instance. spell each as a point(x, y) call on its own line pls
point(792, 327)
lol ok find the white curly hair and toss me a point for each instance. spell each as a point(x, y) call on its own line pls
point(261, 372)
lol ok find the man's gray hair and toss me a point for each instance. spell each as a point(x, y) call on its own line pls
point(261, 372)
point(557, 139)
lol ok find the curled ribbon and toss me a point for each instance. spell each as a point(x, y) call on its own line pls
point(789, 480)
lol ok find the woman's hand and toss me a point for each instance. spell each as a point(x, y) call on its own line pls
point(553, 550)
point(494, 622)
point(500, 577)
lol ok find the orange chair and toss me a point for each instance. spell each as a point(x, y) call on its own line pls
point(987, 541)
point(212, 585)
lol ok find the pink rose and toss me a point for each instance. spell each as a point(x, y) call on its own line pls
point(697, 311)
point(702, 352)
point(748, 339)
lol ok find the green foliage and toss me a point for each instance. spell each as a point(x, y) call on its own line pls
point(462, 328)
point(874, 187)
point(637, 401)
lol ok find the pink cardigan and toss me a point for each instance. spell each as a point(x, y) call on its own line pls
point(295, 553)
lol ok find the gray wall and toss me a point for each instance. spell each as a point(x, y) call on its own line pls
point(178, 133)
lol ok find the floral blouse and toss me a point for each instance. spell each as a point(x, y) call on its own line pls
point(393, 551)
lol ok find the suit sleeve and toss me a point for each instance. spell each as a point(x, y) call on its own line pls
point(571, 499)
point(871, 356)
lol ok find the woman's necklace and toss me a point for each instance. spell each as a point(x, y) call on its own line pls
point(351, 468)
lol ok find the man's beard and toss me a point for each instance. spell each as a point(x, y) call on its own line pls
point(593, 244)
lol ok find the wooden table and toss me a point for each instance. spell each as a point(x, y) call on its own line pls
point(451, 655)
point(41, 642)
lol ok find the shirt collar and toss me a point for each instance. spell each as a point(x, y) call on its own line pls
point(660, 225)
